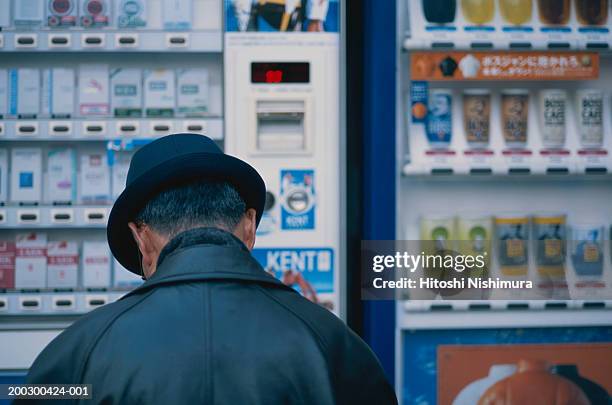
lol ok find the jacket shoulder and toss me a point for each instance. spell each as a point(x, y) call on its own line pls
point(65, 358)
point(354, 369)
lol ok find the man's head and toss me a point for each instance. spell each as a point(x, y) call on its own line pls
point(194, 205)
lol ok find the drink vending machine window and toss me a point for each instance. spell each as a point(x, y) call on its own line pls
point(83, 84)
point(504, 147)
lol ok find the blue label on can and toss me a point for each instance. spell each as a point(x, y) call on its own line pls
point(439, 122)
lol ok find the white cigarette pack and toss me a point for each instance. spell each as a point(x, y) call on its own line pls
point(160, 92)
point(24, 92)
point(62, 264)
point(3, 93)
point(96, 265)
point(31, 260)
point(26, 173)
point(177, 14)
point(61, 175)
point(131, 13)
point(126, 94)
point(95, 178)
point(120, 168)
point(94, 90)
point(28, 13)
point(3, 176)
point(58, 92)
point(5, 16)
point(192, 92)
point(124, 278)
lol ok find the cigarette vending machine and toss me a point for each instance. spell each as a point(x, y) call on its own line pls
point(85, 83)
point(502, 142)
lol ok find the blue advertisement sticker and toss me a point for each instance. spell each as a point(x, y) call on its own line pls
point(308, 270)
point(297, 199)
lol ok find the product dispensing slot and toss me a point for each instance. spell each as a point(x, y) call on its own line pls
point(280, 126)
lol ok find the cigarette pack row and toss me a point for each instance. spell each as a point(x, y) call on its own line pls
point(33, 262)
point(22, 179)
point(98, 91)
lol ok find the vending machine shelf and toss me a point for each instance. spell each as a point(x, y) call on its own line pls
point(53, 216)
point(104, 129)
point(498, 313)
point(111, 41)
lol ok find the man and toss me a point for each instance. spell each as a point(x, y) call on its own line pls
point(209, 325)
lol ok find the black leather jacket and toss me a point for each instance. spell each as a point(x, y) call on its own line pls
point(212, 327)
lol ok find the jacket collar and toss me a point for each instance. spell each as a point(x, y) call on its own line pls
point(206, 254)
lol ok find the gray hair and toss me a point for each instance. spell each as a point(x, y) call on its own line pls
point(200, 204)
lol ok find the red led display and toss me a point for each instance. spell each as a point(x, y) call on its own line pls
point(280, 72)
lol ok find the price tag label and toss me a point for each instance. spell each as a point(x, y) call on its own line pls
point(480, 159)
point(556, 159)
point(592, 159)
point(517, 159)
point(442, 159)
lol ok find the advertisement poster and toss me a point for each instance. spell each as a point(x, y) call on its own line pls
point(282, 15)
point(431, 376)
point(309, 270)
point(468, 373)
point(298, 200)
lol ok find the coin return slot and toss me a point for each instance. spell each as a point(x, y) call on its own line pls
point(280, 126)
point(195, 127)
point(161, 128)
point(96, 302)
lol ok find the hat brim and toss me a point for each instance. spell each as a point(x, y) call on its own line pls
point(172, 173)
